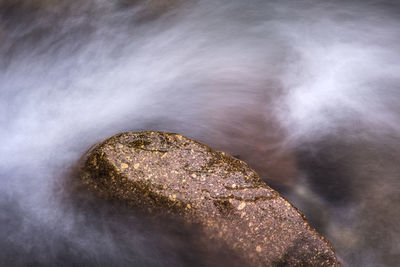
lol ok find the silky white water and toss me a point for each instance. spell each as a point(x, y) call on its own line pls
point(306, 92)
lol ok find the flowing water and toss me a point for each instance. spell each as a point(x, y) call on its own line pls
point(307, 92)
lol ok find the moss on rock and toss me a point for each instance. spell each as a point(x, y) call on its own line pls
point(168, 173)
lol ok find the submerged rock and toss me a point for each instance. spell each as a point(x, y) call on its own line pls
point(168, 173)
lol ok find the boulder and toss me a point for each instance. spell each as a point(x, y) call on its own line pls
point(166, 173)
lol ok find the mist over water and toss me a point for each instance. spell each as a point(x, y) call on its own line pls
point(306, 92)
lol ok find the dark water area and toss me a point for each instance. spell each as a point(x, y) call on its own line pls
point(307, 92)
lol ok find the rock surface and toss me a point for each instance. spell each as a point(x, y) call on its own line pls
point(169, 173)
